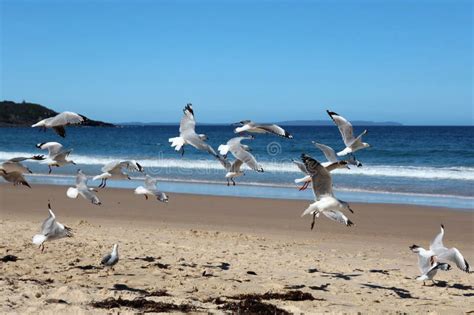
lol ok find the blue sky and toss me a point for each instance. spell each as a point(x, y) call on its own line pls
point(406, 61)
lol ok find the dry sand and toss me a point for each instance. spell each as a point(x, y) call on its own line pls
point(203, 250)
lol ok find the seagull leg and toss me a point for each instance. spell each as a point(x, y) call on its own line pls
point(50, 170)
point(105, 183)
point(182, 151)
point(146, 197)
point(228, 183)
point(305, 185)
point(233, 181)
point(314, 220)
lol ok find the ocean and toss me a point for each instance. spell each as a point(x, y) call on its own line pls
point(406, 164)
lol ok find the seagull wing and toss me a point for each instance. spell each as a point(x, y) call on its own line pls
point(21, 159)
point(187, 122)
point(235, 167)
point(337, 216)
point(105, 259)
point(437, 242)
point(65, 118)
point(150, 183)
point(49, 223)
point(275, 129)
point(243, 155)
point(322, 180)
point(328, 152)
point(301, 166)
point(455, 256)
point(54, 148)
point(345, 127)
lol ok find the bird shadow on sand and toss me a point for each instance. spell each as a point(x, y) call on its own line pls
point(444, 284)
point(339, 275)
point(402, 293)
point(221, 266)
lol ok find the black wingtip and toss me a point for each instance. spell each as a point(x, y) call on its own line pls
point(330, 113)
point(288, 135)
point(39, 145)
point(412, 247)
point(49, 204)
point(189, 107)
point(442, 225)
point(349, 223)
point(468, 268)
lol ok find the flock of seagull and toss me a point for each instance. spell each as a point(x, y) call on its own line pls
point(315, 173)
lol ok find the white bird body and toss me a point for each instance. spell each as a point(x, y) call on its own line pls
point(82, 189)
point(250, 126)
point(51, 230)
point(112, 258)
point(114, 170)
point(188, 135)
point(58, 122)
point(151, 189)
point(437, 257)
point(345, 128)
point(325, 201)
point(57, 156)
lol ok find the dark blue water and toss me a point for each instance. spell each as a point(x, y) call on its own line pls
point(410, 162)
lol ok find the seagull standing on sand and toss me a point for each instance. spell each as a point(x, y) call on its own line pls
point(51, 230)
point(188, 135)
point(14, 177)
point(56, 154)
point(250, 126)
point(14, 165)
point(241, 153)
point(113, 170)
point(58, 122)
point(438, 253)
point(83, 190)
point(346, 130)
point(112, 258)
point(325, 202)
point(150, 189)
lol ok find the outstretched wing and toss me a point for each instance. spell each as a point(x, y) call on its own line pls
point(328, 152)
point(188, 123)
point(21, 159)
point(150, 183)
point(54, 148)
point(454, 255)
point(345, 127)
point(301, 166)
point(275, 129)
point(322, 180)
point(65, 118)
point(437, 242)
point(338, 216)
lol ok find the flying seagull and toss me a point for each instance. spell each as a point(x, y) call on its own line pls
point(439, 253)
point(83, 190)
point(331, 156)
point(325, 202)
point(14, 165)
point(240, 152)
point(346, 130)
point(58, 122)
point(14, 177)
point(188, 135)
point(51, 230)
point(56, 154)
point(114, 170)
point(112, 258)
point(250, 126)
point(150, 189)
point(428, 265)
point(307, 179)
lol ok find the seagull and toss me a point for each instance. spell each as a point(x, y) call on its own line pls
point(59, 121)
point(325, 202)
point(250, 126)
point(428, 265)
point(14, 165)
point(345, 128)
point(438, 252)
point(112, 258)
point(57, 155)
point(113, 170)
point(331, 156)
point(51, 230)
point(82, 189)
point(150, 189)
point(188, 135)
point(330, 166)
point(241, 153)
point(14, 177)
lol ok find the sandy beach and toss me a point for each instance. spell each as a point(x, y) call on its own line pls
point(222, 254)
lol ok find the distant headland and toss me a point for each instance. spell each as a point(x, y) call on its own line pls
point(25, 114)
